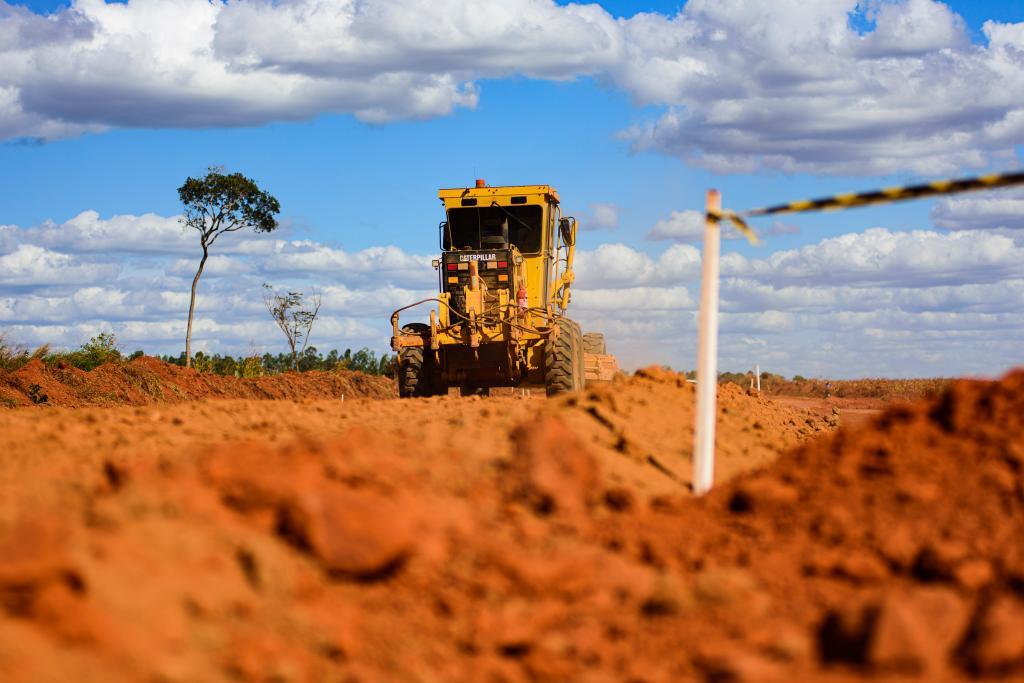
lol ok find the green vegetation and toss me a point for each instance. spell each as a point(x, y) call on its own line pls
point(363, 360)
point(103, 349)
point(98, 350)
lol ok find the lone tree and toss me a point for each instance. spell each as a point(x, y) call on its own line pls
point(219, 203)
point(295, 320)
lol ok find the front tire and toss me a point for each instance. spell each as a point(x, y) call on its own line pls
point(415, 368)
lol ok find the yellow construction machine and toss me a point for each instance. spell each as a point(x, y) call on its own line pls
point(505, 275)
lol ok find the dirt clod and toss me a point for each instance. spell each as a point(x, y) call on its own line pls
point(352, 533)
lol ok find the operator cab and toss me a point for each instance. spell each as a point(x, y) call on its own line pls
point(509, 230)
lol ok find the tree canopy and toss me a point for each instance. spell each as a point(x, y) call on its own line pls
point(226, 202)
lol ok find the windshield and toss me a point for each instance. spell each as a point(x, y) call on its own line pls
point(486, 227)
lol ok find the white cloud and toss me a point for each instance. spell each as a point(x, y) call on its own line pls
point(193, 63)
point(681, 226)
point(87, 232)
point(743, 84)
point(490, 38)
point(149, 233)
point(997, 210)
point(791, 85)
point(915, 27)
point(618, 265)
point(881, 257)
point(216, 266)
point(29, 265)
point(375, 264)
point(866, 304)
point(628, 301)
point(602, 216)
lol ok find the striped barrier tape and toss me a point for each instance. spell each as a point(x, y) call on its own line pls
point(738, 223)
point(883, 196)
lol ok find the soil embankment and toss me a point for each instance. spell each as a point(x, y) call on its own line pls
point(328, 540)
point(149, 380)
point(513, 540)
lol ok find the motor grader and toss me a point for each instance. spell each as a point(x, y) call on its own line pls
point(504, 279)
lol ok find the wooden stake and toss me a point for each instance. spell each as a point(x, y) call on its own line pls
point(707, 354)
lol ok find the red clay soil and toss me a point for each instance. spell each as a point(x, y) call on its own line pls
point(454, 546)
point(148, 380)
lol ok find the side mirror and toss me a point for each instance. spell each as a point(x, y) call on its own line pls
point(442, 229)
point(567, 228)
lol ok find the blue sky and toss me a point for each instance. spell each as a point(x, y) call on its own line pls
point(628, 135)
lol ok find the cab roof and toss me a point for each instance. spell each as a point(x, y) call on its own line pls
point(549, 193)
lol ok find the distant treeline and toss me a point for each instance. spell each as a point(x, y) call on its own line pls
point(103, 348)
point(363, 360)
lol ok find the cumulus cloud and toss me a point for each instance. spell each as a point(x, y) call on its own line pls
point(376, 264)
point(87, 232)
point(32, 266)
point(491, 38)
point(879, 302)
point(793, 86)
point(216, 266)
point(882, 257)
point(742, 85)
point(602, 216)
point(619, 265)
point(648, 299)
point(193, 63)
point(874, 303)
point(131, 275)
point(990, 211)
point(681, 226)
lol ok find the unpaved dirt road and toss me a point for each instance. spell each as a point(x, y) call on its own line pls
point(850, 412)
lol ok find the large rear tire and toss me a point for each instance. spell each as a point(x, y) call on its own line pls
point(593, 342)
point(415, 369)
point(563, 359)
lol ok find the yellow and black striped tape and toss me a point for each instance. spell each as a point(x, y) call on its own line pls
point(737, 221)
point(883, 196)
point(894, 194)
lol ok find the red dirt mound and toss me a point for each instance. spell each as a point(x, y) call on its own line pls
point(897, 548)
point(149, 380)
point(452, 550)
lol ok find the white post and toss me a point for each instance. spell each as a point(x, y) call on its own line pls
point(757, 371)
point(707, 354)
